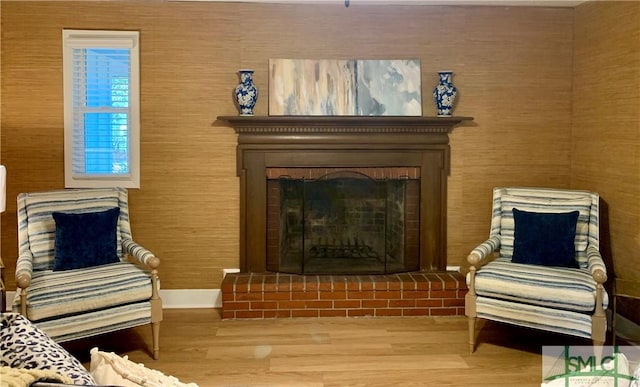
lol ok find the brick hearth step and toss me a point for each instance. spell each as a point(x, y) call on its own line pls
point(278, 295)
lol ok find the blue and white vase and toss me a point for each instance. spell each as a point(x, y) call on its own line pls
point(246, 93)
point(445, 94)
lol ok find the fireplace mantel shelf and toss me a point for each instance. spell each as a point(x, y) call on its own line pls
point(342, 124)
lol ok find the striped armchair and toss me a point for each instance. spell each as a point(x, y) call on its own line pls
point(567, 300)
point(73, 303)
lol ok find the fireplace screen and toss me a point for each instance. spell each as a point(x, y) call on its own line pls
point(344, 223)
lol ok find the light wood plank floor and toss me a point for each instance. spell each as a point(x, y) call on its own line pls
point(197, 346)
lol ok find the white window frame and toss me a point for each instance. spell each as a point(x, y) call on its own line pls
point(75, 39)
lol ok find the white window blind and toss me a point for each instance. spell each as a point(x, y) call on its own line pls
point(101, 79)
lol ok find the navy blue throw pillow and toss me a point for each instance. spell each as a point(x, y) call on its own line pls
point(85, 239)
point(545, 238)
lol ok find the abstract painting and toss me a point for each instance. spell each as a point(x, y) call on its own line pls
point(330, 87)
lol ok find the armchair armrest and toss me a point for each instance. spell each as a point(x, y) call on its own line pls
point(143, 255)
point(146, 257)
point(24, 270)
point(478, 257)
point(596, 265)
point(598, 270)
point(483, 251)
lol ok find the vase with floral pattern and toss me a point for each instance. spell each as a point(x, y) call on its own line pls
point(246, 93)
point(445, 94)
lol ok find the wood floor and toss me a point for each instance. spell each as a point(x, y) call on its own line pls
point(197, 346)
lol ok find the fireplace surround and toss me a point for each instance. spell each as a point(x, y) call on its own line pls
point(268, 143)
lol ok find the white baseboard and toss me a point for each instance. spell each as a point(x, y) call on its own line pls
point(227, 271)
point(10, 295)
point(191, 298)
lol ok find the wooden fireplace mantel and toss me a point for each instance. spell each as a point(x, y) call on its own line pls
point(342, 141)
point(342, 124)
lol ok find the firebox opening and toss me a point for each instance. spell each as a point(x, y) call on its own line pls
point(346, 222)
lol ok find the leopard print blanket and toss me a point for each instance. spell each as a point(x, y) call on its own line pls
point(23, 345)
point(22, 377)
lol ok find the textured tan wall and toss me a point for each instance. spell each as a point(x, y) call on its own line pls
point(606, 126)
point(512, 67)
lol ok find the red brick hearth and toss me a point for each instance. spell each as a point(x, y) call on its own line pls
point(272, 295)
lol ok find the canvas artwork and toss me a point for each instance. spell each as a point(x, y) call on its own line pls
point(329, 87)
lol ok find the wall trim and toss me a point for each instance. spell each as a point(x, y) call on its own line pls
point(191, 298)
point(10, 295)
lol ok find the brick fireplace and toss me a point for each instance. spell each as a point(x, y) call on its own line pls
point(378, 148)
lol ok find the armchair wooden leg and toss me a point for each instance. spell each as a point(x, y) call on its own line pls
point(598, 349)
point(156, 313)
point(23, 302)
point(599, 330)
point(599, 319)
point(470, 309)
point(155, 329)
point(472, 334)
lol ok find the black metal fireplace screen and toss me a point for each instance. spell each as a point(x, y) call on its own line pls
point(346, 223)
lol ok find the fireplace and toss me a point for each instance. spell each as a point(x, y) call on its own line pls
point(346, 221)
point(347, 149)
point(342, 216)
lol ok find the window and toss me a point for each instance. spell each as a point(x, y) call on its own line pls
point(101, 108)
